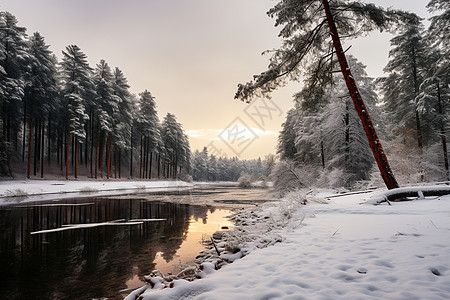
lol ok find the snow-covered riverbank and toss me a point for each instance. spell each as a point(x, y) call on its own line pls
point(344, 249)
point(33, 190)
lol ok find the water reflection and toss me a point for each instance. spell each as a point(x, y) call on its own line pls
point(100, 261)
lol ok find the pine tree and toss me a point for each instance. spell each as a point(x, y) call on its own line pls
point(40, 93)
point(343, 136)
point(105, 111)
point(435, 88)
point(124, 116)
point(401, 88)
point(14, 61)
point(77, 90)
point(286, 139)
point(176, 144)
point(148, 128)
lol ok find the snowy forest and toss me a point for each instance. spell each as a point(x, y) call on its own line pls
point(322, 142)
point(67, 118)
point(208, 167)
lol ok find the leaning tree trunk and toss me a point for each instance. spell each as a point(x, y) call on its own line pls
point(375, 145)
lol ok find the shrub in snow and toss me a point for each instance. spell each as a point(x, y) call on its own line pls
point(245, 180)
point(185, 176)
point(88, 189)
point(286, 177)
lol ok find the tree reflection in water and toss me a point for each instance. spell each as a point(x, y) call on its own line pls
point(93, 262)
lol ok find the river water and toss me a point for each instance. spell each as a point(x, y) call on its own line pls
point(40, 258)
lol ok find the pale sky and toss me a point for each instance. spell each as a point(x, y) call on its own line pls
point(190, 54)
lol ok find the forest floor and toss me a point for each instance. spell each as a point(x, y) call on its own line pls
point(321, 245)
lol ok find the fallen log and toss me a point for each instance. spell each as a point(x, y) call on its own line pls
point(409, 193)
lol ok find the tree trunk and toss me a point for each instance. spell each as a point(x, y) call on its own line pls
point(96, 156)
point(151, 160)
point(57, 149)
point(347, 136)
point(108, 167)
point(73, 151)
point(131, 153)
point(442, 129)
point(375, 145)
point(100, 151)
point(30, 139)
point(159, 164)
point(140, 161)
point(115, 161)
point(24, 129)
point(67, 153)
point(416, 92)
point(322, 154)
point(76, 156)
point(42, 149)
point(49, 138)
point(36, 139)
point(120, 160)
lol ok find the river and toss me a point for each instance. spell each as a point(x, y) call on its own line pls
point(102, 247)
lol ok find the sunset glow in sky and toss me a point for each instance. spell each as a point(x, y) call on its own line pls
point(190, 54)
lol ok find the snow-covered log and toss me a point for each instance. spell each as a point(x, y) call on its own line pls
point(401, 194)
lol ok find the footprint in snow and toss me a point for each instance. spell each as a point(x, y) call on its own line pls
point(435, 271)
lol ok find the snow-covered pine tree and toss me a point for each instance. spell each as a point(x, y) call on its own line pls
point(40, 96)
point(76, 90)
point(14, 61)
point(286, 139)
point(346, 147)
point(106, 109)
point(401, 87)
point(200, 165)
point(176, 144)
point(148, 128)
point(123, 118)
point(438, 36)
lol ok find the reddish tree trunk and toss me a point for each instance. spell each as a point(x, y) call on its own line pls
point(42, 149)
point(76, 156)
point(96, 157)
point(67, 153)
point(115, 161)
point(375, 145)
point(140, 161)
point(36, 154)
point(108, 168)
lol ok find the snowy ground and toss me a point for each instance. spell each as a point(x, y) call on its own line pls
point(34, 190)
point(340, 248)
